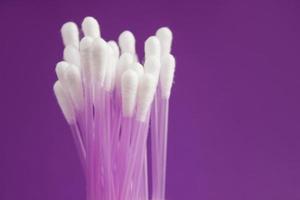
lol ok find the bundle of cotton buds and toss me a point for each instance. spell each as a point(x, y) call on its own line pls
point(111, 100)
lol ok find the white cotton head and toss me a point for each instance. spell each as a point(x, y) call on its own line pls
point(74, 84)
point(126, 59)
point(138, 68)
point(152, 47)
point(167, 75)
point(115, 48)
point(60, 69)
point(70, 34)
point(152, 66)
point(86, 45)
point(72, 55)
point(110, 72)
point(129, 87)
point(146, 91)
point(165, 37)
point(64, 102)
point(99, 59)
point(90, 27)
point(114, 58)
point(127, 42)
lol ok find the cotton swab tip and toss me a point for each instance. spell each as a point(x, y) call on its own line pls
point(110, 70)
point(146, 93)
point(74, 84)
point(167, 75)
point(70, 34)
point(126, 59)
point(115, 48)
point(165, 37)
point(64, 102)
point(138, 67)
point(152, 66)
point(99, 59)
point(152, 47)
point(90, 27)
point(129, 87)
point(127, 42)
point(86, 45)
point(71, 55)
point(60, 70)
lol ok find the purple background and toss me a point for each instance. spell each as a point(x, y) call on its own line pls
point(235, 110)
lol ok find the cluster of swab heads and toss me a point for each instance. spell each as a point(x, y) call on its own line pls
point(114, 105)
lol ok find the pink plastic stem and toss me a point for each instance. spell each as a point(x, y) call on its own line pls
point(79, 144)
point(164, 132)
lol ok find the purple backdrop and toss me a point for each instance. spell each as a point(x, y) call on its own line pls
point(235, 110)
